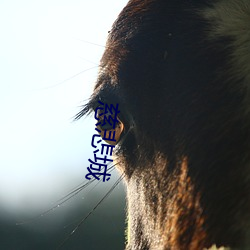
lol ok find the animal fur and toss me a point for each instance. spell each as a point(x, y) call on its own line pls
point(180, 71)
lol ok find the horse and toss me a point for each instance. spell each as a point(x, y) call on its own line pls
point(180, 71)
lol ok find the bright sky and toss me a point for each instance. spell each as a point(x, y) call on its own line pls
point(42, 44)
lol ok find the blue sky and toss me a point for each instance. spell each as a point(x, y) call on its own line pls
point(42, 152)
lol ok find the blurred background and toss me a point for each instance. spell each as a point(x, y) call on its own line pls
point(49, 57)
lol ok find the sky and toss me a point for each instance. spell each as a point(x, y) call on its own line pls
point(49, 57)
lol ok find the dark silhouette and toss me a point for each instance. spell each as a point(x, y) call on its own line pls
point(180, 71)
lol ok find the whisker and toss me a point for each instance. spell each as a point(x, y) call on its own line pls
point(109, 170)
point(107, 47)
point(79, 189)
point(58, 203)
point(93, 209)
point(65, 198)
point(68, 79)
point(87, 60)
point(85, 41)
point(99, 181)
